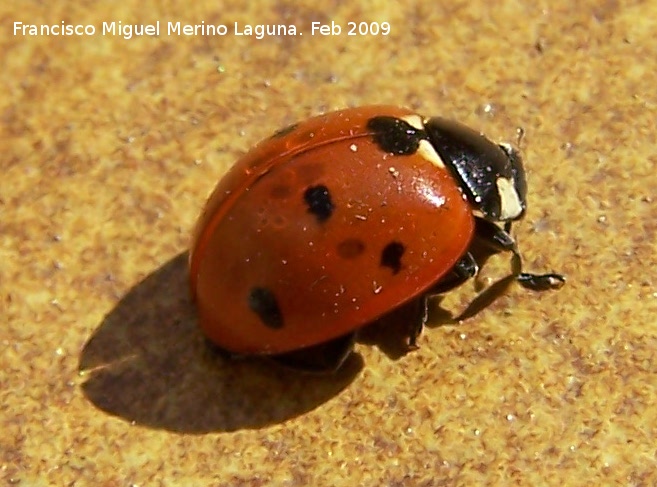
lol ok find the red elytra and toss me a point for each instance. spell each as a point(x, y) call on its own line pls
point(272, 272)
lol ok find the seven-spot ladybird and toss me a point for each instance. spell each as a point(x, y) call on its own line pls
point(335, 221)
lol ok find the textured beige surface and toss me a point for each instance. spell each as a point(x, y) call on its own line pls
point(109, 147)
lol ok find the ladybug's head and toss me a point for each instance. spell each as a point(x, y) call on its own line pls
point(492, 176)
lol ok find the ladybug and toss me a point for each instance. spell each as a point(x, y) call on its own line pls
point(333, 222)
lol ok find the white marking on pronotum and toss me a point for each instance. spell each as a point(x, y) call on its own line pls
point(414, 121)
point(425, 149)
point(510, 205)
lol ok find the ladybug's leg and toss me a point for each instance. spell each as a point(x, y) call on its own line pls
point(421, 319)
point(500, 240)
point(324, 358)
point(466, 268)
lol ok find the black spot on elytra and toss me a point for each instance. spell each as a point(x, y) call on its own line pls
point(391, 256)
point(395, 135)
point(319, 202)
point(263, 303)
point(284, 131)
point(350, 248)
